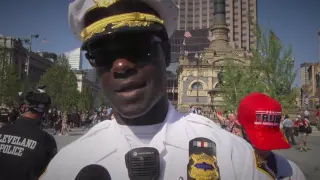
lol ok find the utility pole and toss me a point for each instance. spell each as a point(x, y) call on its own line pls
point(27, 63)
point(198, 58)
point(318, 45)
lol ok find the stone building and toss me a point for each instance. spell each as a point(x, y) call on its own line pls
point(18, 56)
point(311, 87)
point(83, 81)
point(199, 71)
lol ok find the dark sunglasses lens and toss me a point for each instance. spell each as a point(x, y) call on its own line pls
point(133, 46)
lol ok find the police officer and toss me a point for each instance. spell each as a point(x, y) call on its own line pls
point(127, 41)
point(25, 149)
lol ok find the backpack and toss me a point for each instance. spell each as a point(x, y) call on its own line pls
point(309, 130)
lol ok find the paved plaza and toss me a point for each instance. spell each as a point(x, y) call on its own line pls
point(309, 162)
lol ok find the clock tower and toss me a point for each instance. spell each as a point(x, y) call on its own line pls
point(200, 73)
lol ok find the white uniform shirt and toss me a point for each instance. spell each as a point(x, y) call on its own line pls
point(106, 145)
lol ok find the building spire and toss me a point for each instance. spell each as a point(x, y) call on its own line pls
point(219, 29)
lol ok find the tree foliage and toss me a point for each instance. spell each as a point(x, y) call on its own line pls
point(61, 84)
point(102, 99)
point(86, 100)
point(238, 81)
point(270, 70)
point(276, 64)
point(9, 78)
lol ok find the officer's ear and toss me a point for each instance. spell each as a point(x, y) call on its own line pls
point(167, 52)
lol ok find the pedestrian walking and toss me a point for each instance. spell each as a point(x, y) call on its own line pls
point(260, 117)
point(288, 130)
point(307, 114)
point(64, 124)
point(302, 125)
point(127, 42)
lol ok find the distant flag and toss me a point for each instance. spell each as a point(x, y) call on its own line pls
point(44, 40)
point(187, 34)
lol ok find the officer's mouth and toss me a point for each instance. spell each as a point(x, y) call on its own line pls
point(131, 89)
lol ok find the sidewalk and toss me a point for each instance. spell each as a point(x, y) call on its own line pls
point(315, 133)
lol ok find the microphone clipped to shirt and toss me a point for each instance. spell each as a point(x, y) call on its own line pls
point(143, 163)
point(93, 172)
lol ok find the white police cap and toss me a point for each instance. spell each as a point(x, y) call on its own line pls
point(166, 9)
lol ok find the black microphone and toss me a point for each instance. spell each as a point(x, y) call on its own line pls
point(143, 163)
point(93, 172)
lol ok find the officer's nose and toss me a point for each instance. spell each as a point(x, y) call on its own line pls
point(123, 68)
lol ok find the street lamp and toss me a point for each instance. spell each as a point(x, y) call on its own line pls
point(27, 63)
point(198, 58)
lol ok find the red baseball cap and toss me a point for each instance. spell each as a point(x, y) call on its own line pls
point(260, 116)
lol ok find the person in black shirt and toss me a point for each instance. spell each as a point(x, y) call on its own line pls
point(13, 115)
point(4, 117)
point(26, 149)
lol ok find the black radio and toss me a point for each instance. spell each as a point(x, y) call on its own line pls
point(143, 163)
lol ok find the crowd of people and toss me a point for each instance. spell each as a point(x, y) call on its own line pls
point(298, 128)
point(55, 121)
point(61, 125)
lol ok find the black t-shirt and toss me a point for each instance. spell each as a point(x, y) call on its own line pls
point(302, 126)
point(13, 116)
point(53, 116)
point(4, 115)
point(72, 117)
point(25, 150)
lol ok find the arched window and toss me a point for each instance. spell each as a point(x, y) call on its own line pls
point(196, 86)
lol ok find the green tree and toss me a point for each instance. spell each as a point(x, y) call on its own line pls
point(238, 81)
point(276, 64)
point(9, 78)
point(102, 99)
point(86, 99)
point(270, 70)
point(61, 84)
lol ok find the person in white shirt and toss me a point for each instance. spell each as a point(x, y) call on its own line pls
point(307, 114)
point(127, 42)
point(260, 117)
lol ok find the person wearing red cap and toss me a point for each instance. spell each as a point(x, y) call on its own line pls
point(260, 116)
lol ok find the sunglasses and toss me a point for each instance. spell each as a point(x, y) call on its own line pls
point(134, 46)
